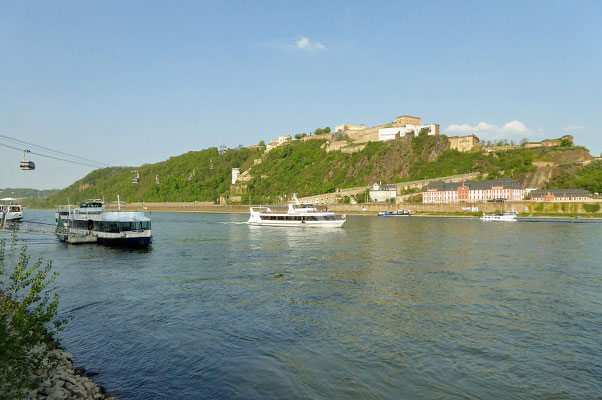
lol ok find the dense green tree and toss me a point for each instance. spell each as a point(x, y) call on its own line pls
point(28, 310)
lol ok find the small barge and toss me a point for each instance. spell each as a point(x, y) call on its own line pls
point(398, 213)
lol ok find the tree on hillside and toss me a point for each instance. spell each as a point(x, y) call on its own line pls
point(322, 131)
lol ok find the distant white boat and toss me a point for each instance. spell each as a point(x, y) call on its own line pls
point(500, 217)
point(298, 215)
point(11, 212)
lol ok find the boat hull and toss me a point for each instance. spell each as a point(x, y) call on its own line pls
point(126, 242)
point(394, 215)
point(498, 218)
point(299, 224)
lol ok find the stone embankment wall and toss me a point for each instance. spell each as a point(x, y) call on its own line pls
point(208, 207)
point(69, 382)
point(374, 208)
point(518, 206)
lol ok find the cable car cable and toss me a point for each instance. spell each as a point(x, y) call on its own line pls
point(49, 156)
point(18, 141)
point(51, 150)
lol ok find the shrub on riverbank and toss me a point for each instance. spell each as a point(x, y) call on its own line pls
point(28, 305)
point(591, 208)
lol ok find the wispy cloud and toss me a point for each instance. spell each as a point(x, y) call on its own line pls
point(510, 130)
point(305, 44)
point(572, 128)
point(298, 44)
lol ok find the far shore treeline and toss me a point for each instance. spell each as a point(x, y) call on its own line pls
point(306, 168)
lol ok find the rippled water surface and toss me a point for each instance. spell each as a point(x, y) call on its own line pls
point(384, 308)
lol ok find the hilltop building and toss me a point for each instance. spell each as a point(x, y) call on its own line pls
point(501, 189)
point(347, 127)
point(385, 134)
point(568, 139)
point(464, 143)
point(405, 120)
point(402, 126)
point(277, 142)
point(548, 195)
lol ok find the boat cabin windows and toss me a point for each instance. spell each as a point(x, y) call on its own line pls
point(89, 204)
point(111, 226)
point(298, 218)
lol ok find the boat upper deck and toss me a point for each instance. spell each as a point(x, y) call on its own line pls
point(293, 209)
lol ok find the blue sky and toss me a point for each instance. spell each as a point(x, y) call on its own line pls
point(126, 82)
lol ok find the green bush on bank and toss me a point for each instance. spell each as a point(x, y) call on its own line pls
point(28, 306)
point(591, 208)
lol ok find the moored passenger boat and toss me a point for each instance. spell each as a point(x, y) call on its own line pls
point(90, 223)
point(11, 212)
point(297, 214)
point(500, 217)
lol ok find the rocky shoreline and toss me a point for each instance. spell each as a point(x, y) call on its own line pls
point(69, 382)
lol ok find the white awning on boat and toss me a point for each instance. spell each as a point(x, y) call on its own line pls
point(127, 216)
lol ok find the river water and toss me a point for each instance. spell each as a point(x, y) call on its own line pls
point(385, 308)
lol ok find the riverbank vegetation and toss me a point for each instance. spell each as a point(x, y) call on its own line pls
point(28, 306)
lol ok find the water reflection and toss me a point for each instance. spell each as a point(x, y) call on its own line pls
point(383, 308)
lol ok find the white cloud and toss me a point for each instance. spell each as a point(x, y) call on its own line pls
point(510, 130)
point(304, 43)
point(571, 128)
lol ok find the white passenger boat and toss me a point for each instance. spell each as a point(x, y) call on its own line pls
point(298, 214)
point(90, 223)
point(11, 212)
point(500, 217)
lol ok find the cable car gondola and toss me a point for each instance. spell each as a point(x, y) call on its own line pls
point(137, 178)
point(157, 180)
point(26, 165)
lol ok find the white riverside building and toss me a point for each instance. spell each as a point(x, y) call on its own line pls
point(382, 193)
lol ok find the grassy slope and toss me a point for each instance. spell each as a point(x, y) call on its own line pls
point(305, 168)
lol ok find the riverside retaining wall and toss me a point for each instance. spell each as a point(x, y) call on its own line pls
point(374, 208)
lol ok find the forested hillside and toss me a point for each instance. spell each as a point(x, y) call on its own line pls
point(196, 175)
point(306, 168)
